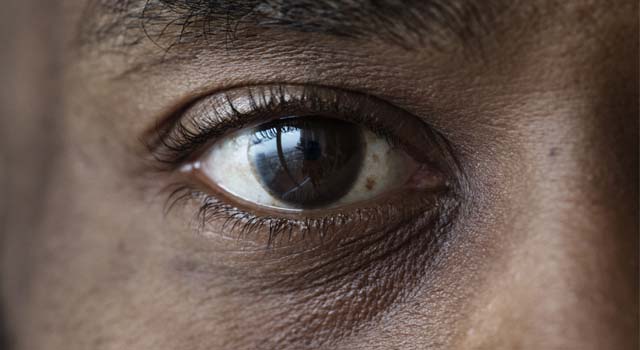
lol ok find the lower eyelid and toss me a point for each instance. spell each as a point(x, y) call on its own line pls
point(363, 256)
point(285, 263)
point(214, 217)
point(372, 273)
point(252, 218)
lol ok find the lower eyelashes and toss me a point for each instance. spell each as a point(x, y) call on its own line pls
point(218, 218)
point(284, 164)
point(298, 164)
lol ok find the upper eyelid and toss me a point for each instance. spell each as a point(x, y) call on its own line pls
point(170, 115)
point(223, 101)
point(171, 154)
point(236, 107)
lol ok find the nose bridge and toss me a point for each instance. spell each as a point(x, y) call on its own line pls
point(576, 258)
point(569, 272)
point(568, 277)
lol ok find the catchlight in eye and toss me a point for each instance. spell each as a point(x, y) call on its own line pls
point(305, 163)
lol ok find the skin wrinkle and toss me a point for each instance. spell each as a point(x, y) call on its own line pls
point(317, 298)
point(246, 291)
point(540, 242)
point(252, 38)
point(186, 21)
point(313, 317)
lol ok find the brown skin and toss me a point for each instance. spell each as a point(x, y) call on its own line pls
point(543, 253)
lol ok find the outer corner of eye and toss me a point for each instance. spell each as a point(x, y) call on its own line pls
point(310, 163)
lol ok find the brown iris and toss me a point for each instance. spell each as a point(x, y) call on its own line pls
point(307, 161)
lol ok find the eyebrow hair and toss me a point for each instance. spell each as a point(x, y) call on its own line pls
point(118, 23)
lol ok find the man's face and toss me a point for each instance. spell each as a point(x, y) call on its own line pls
point(275, 174)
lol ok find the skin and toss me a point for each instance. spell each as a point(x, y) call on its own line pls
point(543, 253)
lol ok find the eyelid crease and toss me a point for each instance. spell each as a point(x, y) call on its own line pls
point(173, 141)
point(192, 129)
point(216, 216)
point(393, 242)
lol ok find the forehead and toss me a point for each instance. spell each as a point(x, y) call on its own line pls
point(406, 23)
point(117, 24)
point(137, 35)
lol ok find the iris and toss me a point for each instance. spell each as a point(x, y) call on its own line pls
point(307, 161)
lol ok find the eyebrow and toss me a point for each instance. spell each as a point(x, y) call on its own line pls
point(168, 23)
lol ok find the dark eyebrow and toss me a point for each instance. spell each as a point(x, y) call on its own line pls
point(118, 23)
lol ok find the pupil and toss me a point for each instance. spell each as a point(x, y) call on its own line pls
point(306, 161)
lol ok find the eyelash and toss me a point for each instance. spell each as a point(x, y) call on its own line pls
point(174, 143)
point(244, 223)
point(179, 141)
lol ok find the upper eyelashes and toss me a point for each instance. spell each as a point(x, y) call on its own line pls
point(211, 117)
point(309, 163)
point(300, 159)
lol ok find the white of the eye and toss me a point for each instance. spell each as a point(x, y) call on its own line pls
point(227, 165)
point(384, 167)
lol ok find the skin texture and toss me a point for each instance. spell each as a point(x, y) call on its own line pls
point(542, 254)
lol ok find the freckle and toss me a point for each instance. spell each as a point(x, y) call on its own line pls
point(371, 183)
point(375, 158)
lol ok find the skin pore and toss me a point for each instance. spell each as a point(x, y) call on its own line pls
point(536, 247)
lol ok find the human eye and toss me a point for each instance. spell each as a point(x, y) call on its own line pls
point(284, 163)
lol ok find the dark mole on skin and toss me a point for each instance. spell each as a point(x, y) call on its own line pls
point(371, 182)
point(553, 151)
point(376, 158)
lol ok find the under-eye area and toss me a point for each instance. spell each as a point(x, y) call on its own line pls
point(323, 180)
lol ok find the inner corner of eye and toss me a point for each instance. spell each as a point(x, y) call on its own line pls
point(309, 162)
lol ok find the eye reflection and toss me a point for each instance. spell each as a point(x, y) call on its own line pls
point(307, 162)
point(281, 164)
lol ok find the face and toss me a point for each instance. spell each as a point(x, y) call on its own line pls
point(323, 175)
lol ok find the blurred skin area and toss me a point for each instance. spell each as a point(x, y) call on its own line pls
point(543, 255)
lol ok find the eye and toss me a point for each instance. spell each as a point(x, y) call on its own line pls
point(304, 163)
point(266, 160)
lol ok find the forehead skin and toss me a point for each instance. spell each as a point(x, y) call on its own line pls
point(545, 120)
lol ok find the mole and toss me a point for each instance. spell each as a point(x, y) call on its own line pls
point(371, 183)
